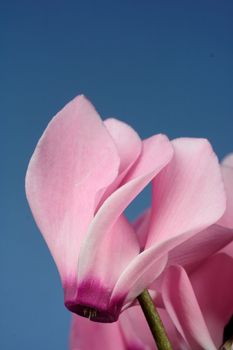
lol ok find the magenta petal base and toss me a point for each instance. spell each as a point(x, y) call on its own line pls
point(92, 301)
point(93, 314)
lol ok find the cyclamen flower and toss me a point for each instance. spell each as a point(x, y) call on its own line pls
point(197, 308)
point(198, 299)
point(201, 305)
point(82, 176)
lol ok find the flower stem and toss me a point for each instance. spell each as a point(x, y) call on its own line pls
point(154, 321)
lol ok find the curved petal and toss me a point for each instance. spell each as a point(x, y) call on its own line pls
point(145, 268)
point(188, 195)
point(157, 152)
point(135, 330)
point(195, 250)
point(139, 274)
point(141, 226)
point(192, 252)
point(227, 218)
point(137, 334)
point(213, 285)
point(87, 335)
point(64, 177)
point(130, 332)
point(115, 252)
point(129, 144)
point(184, 310)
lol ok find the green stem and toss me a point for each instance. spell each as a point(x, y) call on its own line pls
point(154, 321)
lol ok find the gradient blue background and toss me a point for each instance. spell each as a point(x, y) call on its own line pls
point(162, 66)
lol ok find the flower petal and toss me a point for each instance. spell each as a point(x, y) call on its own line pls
point(184, 310)
point(213, 285)
point(228, 160)
point(86, 335)
point(115, 252)
point(188, 195)
point(227, 218)
point(135, 330)
point(139, 274)
point(129, 144)
point(192, 252)
point(65, 176)
point(141, 226)
point(130, 332)
point(156, 153)
point(137, 333)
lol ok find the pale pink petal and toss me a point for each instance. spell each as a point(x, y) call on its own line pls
point(141, 226)
point(130, 332)
point(156, 153)
point(188, 194)
point(135, 330)
point(116, 250)
point(192, 252)
point(188, 197)
point(137, 334)
point(145, 268)
point(227, 218)
point(88, 335)
point(139, 274)
point(184, 310)
point(213, 286)
point(129, 144)
point(228, 160)
point(64, 177)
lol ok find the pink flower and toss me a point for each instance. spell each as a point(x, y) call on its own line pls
point(198, 307)
point(82, 176)
point(201, 304)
